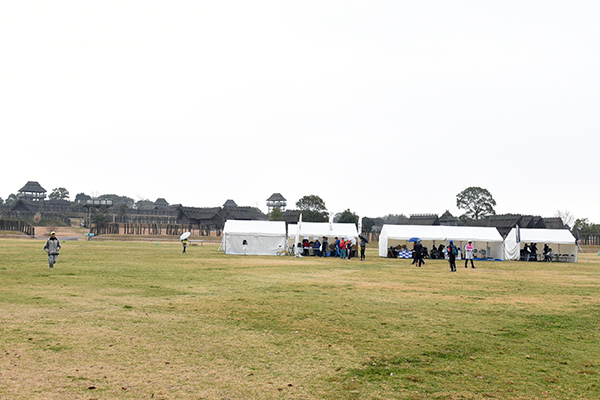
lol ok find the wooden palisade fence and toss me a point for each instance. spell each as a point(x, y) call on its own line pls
point(17, 225)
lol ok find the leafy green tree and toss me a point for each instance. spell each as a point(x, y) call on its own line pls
point(122, 210)
point(81, 198)
point(367, 224)
point(584, 228)
point(144, 204)
point(118, 200)
point(1, 201)
point(59, 194)
point(477, 202)
point(313, 209)
point(348, 217)
point(11, 200)
point(394, 219)
point(276, 215)
point(100, 217)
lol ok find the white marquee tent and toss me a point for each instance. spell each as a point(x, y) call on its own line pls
point(486, 240)
point(560, 240)
point(312, 230)
point(263, 237)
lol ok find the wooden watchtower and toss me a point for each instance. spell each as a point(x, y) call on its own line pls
point(276, 200)
point(32, 191)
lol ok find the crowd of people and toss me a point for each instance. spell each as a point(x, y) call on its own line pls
point(343, 248)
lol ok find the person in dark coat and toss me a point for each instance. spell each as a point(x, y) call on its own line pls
point(452, 253)
point(363, 247)
point(418, 253)
point(325, 251)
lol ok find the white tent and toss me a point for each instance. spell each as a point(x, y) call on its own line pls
point(313, 230)
point(263, 237)
point(393, 235)
point(484, 238)
point(561, 241)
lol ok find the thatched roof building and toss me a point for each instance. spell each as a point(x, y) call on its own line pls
point(32, 191)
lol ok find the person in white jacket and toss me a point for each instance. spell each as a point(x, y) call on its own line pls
point(469, 254)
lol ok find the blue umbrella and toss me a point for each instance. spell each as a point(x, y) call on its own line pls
point(414, 239)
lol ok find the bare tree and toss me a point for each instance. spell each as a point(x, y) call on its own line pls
point(566, 216)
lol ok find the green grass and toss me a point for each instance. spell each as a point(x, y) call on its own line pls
point(127, 320)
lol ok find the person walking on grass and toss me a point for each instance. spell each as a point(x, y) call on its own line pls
point(469, 250)
point(363, 246)
point(184, 242)
point(52, 247)
point(452, 253)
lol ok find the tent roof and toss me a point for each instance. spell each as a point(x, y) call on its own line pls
point(558, 236)
point(321, 229)
point(405, 232)
point(265, 228)
point(475, 233)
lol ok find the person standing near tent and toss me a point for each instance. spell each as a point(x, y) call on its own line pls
point(337, 248)
point(342, 249)
point(418, 252)
point(317, 247)
point(52, 247)
point(469, 250)
point(452, 253)
point(325, 251)
point(363, 246)
point(245, 246)
point(349, 248)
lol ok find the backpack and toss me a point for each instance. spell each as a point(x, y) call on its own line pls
point(454, 251)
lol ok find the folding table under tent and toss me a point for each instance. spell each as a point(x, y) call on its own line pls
point(264, 238)
point(313, 230)
point(486, 240)
point(561, 241)
point(393, 235)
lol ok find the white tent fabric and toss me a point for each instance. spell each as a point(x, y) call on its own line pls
point(563, 240)
point(484, 238)
point(312, 230)
point(263, 237)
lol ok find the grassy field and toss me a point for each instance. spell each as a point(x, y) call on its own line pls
point(127, 320)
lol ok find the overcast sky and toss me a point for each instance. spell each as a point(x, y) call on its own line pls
point(382, 107)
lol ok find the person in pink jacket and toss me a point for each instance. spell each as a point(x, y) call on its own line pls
point(469, 254)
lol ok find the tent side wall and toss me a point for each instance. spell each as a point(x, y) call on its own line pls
point(259, 245)
point(263, 237)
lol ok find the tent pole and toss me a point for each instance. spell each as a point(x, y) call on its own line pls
point(578, 245)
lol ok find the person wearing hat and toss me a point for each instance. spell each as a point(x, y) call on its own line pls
point(469, 254)
point(452, 253)
point(52, 247)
